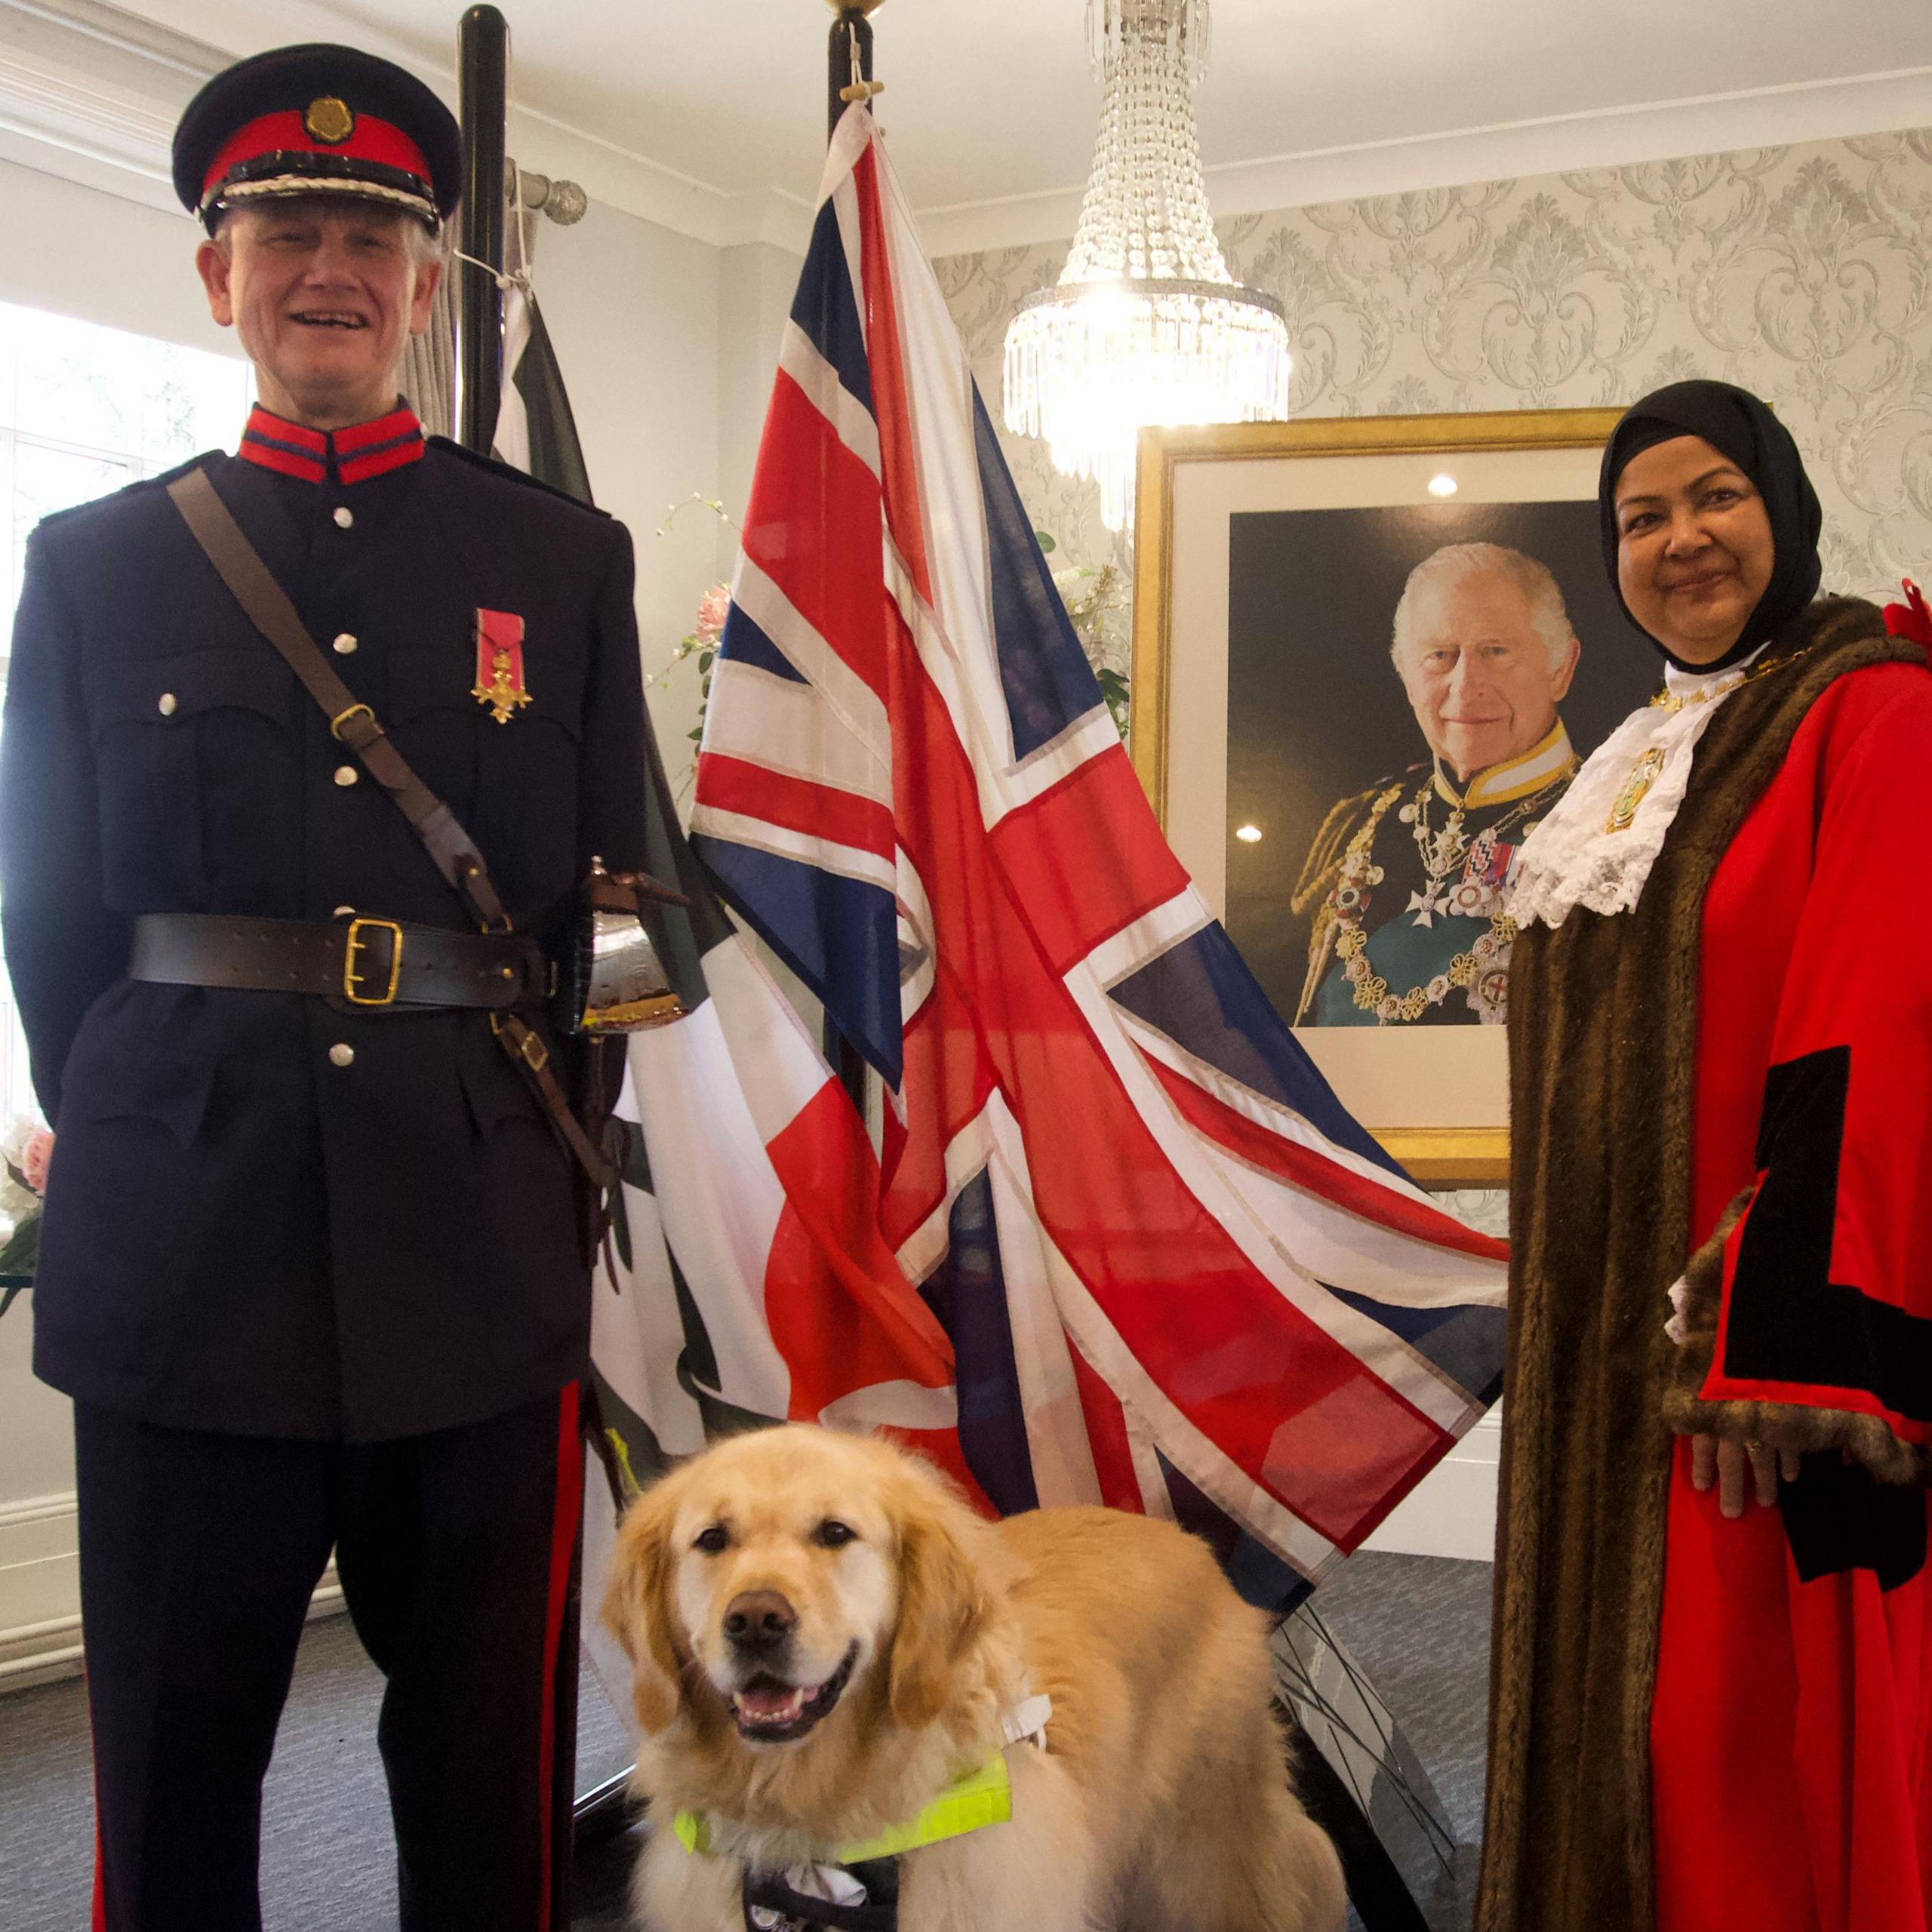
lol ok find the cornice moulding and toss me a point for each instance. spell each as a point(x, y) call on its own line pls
point(1619, 137)
point(92, 94)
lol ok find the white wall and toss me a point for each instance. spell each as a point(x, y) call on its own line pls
point(634, 311)
point(80, 252)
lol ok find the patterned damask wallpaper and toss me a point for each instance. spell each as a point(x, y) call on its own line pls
point(1803, 273)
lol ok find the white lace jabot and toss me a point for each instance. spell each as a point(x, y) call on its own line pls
point(1596, 847)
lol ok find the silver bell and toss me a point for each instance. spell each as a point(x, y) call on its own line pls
point(625, 988)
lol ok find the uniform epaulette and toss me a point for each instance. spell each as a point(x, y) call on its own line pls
point(1325, 849)
point(160, 482)
point(509, 471)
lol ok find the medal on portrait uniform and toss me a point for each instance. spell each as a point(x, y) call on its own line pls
point(500, 685)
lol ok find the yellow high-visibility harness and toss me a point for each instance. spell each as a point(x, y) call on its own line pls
point(856, 1890)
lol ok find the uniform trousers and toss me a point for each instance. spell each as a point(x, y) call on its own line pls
point(457, 1555)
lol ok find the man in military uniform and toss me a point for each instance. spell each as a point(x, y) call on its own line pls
point(1407, 881)
point(313, 1269)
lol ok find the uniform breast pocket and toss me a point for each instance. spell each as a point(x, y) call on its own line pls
point(197, 763)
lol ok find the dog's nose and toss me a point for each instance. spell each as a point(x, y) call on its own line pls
point(759, 1619)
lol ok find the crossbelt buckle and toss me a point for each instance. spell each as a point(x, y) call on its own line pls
point(352, 977)
point(341, 717)
point(523, 1041)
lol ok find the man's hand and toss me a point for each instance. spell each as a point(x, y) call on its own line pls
point(1725, 1462)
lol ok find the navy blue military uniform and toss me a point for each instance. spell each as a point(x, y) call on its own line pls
point(272, 1216)
point(313, 1272)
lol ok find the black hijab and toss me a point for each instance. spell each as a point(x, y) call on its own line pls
point(1733, 422)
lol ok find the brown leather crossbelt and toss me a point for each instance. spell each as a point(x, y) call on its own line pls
point(360, 962)
point(353, 723)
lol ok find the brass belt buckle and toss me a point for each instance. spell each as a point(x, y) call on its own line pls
point(357, 944)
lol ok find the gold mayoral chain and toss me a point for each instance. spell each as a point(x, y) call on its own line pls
point(1472, 896)
point(1643, 773)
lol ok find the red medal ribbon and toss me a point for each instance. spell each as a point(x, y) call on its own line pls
point(499, 683)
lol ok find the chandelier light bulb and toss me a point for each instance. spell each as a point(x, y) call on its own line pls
point(1146, 326)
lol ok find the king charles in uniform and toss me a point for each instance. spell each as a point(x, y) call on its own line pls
point(1406, 881)
point(313, 1267)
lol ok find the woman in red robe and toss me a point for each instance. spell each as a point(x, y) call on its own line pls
point(1712, 1693)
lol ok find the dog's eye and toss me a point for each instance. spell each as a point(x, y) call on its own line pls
point(713, 1541)
point(833, 1534)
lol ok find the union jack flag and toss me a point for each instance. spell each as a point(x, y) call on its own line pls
point(1157, 1264)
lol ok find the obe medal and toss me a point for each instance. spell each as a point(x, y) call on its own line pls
point(499, 687)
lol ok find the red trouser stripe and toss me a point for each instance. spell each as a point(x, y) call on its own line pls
point(97, 1920)
point(563, 1550)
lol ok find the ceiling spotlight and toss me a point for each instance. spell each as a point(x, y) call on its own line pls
point(1247, 834)
point(1442, 484)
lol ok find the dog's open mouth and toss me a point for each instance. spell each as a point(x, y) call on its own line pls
point(768, 1712)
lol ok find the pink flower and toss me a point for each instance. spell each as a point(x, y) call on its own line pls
point(36, 1157)
point(711, 610)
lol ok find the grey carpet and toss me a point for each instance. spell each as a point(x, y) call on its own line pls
point(1418, 1625)
point(1419, 1628)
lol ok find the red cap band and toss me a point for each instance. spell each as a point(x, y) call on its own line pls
point(370, 139)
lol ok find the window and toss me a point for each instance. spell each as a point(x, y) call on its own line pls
point(83, 411)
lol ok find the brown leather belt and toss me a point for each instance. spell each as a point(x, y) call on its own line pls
point(358, 962)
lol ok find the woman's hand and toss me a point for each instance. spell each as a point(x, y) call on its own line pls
point(1724, 1462)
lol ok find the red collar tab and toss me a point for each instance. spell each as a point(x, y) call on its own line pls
point(355, 454)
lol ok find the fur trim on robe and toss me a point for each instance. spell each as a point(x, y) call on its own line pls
point(1602, 1050)
point(1800, 1427)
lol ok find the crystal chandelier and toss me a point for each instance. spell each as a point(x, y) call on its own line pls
point(1146, 324)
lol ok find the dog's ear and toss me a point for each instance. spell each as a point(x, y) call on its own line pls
point(942, 1606)
point(639, 1612)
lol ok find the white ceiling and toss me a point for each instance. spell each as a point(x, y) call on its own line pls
point(709, 113)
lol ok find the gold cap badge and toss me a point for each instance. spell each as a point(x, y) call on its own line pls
point(329, 120)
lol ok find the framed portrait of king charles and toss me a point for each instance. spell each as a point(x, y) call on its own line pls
point(1369, 656)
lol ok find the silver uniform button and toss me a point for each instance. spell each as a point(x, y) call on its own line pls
point(344, 516)
point(167, 704)
point(342, 1054)
point(345, 774)
point(345, 644)
point(344, 913)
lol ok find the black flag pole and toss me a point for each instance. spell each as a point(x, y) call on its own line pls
point(849, 64)
point(482, 97)
point(848, 78)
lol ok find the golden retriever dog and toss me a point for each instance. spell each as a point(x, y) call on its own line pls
point(826, 1636)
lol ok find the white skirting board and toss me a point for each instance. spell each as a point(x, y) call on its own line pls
point(40, 1592)
point(1452, 1511)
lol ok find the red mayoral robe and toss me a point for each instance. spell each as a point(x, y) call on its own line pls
point(1790, 1787)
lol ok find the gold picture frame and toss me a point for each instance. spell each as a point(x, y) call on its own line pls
point(1190, 482)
